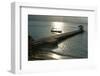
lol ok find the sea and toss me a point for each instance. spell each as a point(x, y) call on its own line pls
point(75, 46)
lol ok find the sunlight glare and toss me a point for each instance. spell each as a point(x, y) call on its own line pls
point(57, 25)
point(55, 56)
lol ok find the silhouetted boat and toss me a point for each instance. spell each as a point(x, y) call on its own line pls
point(55, 30)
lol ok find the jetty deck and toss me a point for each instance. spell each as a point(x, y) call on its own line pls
point(56, 38)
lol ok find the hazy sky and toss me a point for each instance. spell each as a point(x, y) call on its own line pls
point(58, 18)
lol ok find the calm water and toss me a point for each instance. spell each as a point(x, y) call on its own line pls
point(75, 46)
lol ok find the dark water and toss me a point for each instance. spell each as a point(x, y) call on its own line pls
point(75, 46)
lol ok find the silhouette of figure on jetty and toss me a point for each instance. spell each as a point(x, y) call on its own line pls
point(81, 28)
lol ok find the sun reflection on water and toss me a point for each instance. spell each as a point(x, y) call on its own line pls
point(55, 56)
point(59, 26)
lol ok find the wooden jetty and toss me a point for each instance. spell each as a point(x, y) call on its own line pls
point(57, 38)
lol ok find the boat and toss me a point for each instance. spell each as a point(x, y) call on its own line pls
point(56, 30)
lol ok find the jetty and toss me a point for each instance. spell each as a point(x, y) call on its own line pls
point(57, 38)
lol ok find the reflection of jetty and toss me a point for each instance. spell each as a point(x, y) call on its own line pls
point(56, 38)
